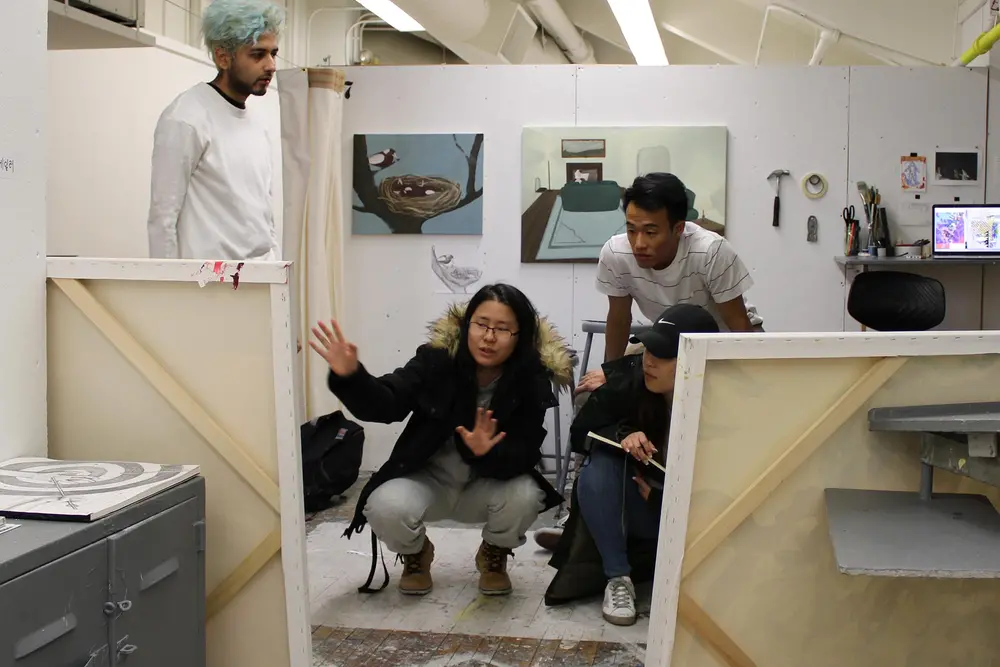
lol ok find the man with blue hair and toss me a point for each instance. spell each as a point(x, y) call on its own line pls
point(210, 196)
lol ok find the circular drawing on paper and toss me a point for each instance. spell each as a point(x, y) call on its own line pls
point(42, 478)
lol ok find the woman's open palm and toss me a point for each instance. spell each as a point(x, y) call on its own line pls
point(339, 353)
point(483, 436)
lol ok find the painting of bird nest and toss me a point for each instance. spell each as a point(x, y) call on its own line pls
point(418, 184)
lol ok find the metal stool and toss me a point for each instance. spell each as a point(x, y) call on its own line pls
point(590, 327)
point(558, 456)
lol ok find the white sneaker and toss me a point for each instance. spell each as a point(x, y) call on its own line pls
point(619, 601)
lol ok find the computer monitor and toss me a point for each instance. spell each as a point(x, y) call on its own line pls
point(966, 230)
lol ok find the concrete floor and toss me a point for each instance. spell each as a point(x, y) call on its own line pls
point(354, 628)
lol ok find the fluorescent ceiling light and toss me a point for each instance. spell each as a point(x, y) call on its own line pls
point(391, 14)
point(635, 18)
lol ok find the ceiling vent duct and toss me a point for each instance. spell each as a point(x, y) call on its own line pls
point(519, 37)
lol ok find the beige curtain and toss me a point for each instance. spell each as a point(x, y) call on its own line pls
point(312, 105)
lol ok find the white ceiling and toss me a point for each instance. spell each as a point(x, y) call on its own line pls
point(730, 31)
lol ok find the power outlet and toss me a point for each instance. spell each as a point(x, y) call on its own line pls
point(812, 229)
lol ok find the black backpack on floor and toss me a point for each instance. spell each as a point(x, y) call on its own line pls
point(332, 447)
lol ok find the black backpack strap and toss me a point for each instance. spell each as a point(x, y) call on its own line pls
point(376, 554)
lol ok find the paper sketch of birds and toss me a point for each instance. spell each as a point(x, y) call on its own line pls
point(455, 278)
point(383, 159)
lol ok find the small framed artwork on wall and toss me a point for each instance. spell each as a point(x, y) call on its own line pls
point(584, 172)
point(575, 149)
point(956, 167)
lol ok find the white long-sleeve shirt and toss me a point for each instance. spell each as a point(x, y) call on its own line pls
point(210, 196)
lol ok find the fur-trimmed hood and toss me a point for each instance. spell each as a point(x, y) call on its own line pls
point(552, 347)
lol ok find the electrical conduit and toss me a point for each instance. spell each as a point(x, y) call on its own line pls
point(981, 46)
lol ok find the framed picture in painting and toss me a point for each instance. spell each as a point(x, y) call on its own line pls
point(574, 149)
point(584, 172)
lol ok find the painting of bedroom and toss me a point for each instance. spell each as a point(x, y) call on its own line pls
point(573, 180)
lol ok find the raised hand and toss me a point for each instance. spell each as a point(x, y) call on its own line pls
point(339, 353)
point(483, 436)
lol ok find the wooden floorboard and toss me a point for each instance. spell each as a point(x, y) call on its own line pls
point(354, 647)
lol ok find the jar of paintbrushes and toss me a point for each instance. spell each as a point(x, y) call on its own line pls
point(877, 226)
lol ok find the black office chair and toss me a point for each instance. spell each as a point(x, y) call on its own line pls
point(896, 301)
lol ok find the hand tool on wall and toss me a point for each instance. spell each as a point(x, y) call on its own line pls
point(814, 185)
point(776, 175)
point(852, 239)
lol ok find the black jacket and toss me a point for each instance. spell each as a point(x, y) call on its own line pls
point(610, 412)
point(425, 390)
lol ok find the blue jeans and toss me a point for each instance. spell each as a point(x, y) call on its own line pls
point(613, 508)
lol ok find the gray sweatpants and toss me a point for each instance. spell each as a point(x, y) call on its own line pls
point(447, 489)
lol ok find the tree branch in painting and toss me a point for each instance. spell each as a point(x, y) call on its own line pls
point(405, 202)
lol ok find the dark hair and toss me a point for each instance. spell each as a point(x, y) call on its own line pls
point(659, 191)
point(652, 415)
point(525, 357)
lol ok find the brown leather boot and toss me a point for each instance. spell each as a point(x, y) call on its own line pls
point(491, 561)
point(416, 579)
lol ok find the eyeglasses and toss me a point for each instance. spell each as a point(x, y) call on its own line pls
point(500, 333)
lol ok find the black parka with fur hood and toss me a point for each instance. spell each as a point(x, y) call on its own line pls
point(425, 390)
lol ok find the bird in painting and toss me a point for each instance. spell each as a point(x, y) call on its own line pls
point(455, 278)
point(383, 159)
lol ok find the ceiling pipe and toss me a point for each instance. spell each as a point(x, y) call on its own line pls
point(325, 10)
point(827, 38)
point(970, 10)
point(883, 53)
point(353, 45)
point(981, 46)
point(558, 25)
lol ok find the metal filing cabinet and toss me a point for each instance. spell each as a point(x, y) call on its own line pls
point(128, 589)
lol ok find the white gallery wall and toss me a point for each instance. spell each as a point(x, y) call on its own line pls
point(847, 124)
point(103, 106)
point(23, 135)
point(899, 111)
point(840, 122)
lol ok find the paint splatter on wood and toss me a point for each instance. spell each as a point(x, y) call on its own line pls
point(350, 647)
point(216, 271)
point(236, 275)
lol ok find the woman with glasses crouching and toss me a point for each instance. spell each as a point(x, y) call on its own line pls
point(476, 394)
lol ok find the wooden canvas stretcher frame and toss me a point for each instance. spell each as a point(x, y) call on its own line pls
point(69, 277)
point(679, 553)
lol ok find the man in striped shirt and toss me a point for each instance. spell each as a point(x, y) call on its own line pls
point(661, 261)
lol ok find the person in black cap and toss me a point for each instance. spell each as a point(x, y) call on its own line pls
point(618, 493)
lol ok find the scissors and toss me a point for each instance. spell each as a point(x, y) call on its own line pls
point(849, 213)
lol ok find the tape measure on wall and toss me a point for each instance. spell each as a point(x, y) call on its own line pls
point(814, 185)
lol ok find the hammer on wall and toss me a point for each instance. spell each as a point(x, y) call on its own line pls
point(776, 175)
